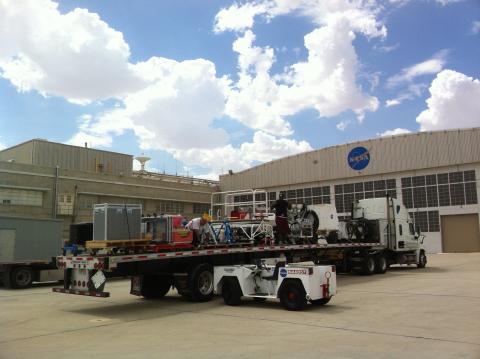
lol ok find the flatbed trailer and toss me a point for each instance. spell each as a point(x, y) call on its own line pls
point(191, 271)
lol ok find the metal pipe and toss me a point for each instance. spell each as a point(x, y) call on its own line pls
point(55, 193)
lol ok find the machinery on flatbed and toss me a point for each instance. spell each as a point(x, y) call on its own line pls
point(293, 284)
point(382, 235)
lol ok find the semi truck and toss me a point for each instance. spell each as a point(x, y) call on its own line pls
point(380, 234)
point(28, 250)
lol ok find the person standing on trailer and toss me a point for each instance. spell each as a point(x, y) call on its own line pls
point(199, 228)
point(281, 207)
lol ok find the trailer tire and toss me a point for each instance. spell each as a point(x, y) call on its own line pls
point(292, 295)
point(368, 265)
point(231, 292)
point(155, 286)
point(321, 301)
point(380, 264)
point(200, 283)
point(422, 260)
point(20, 277)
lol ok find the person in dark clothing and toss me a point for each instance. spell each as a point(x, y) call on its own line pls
point(281, 219)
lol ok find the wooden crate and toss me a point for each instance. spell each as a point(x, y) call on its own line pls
point(127, 243)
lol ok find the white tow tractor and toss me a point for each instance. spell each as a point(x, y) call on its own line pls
point(293, 284)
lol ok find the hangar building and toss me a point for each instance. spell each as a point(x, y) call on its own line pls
point(435, 174)
point(43, 179)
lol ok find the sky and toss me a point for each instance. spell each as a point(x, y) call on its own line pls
point(204, 87)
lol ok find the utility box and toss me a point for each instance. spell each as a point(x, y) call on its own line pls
point(117, 221)
point(29, 239)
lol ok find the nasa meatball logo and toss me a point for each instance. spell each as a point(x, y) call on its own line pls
point(358, 158)
point(283, 272)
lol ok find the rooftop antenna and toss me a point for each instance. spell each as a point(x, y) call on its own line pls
point(142, 159)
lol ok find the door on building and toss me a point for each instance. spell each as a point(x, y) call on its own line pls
point(460, 233)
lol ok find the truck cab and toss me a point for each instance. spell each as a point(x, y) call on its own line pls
point(391, 225)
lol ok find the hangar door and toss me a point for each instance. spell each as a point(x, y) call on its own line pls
point(460, 233)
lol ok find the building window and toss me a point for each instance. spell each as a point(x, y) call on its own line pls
point(432, 196)
point(347, 193)
point(407, 197)
point(21, 197)
point(421, 220)
point(427, 221)
point(443, 189)
point(471, 193)
point(433, 221)
point(171, 207)
point(201, 208)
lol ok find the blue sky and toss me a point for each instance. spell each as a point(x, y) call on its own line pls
point(206, 86)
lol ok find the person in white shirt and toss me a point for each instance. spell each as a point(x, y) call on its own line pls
point(198, 226)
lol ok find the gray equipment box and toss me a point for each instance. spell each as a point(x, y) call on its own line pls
point(29, 239)
point(116, 221)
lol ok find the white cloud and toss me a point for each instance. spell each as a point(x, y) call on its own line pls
point(2, 146)
point(342, 125)
point(237, 17)
point(263, 148)
point(427, 67)
point(413, 91)
point(175, 112)
point(361, 15)
point(325, 81)
point(397, 131)
point(453, 103)
point(75, 55)
point(475, 27)
point(447, 2)
point(387, 48)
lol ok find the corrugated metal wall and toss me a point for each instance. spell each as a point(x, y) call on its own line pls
point(387, 154)
point(85, 159)
point(21, 153)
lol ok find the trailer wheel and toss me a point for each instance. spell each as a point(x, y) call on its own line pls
point(156, 286)
point(231, 292)
point(21, 277)
point(422, 260)
point(200, 283)
point(321, 301)
point(380, 264)
point(368, 265)
point(292, 295)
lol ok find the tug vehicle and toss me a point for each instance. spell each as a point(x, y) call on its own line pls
point(293, 284)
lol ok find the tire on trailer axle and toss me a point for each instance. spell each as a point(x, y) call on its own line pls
point(19, 277)
point(381, 265)
point(200, 283)
point(368, 265)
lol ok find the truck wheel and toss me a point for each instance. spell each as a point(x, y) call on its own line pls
point(380, 264)
point(293, 296)
point(321, 301)
point(231, 292)
point(200, 283)
point(368, 265)
point(422, 260)
point(156, 286)
point(21, 277)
